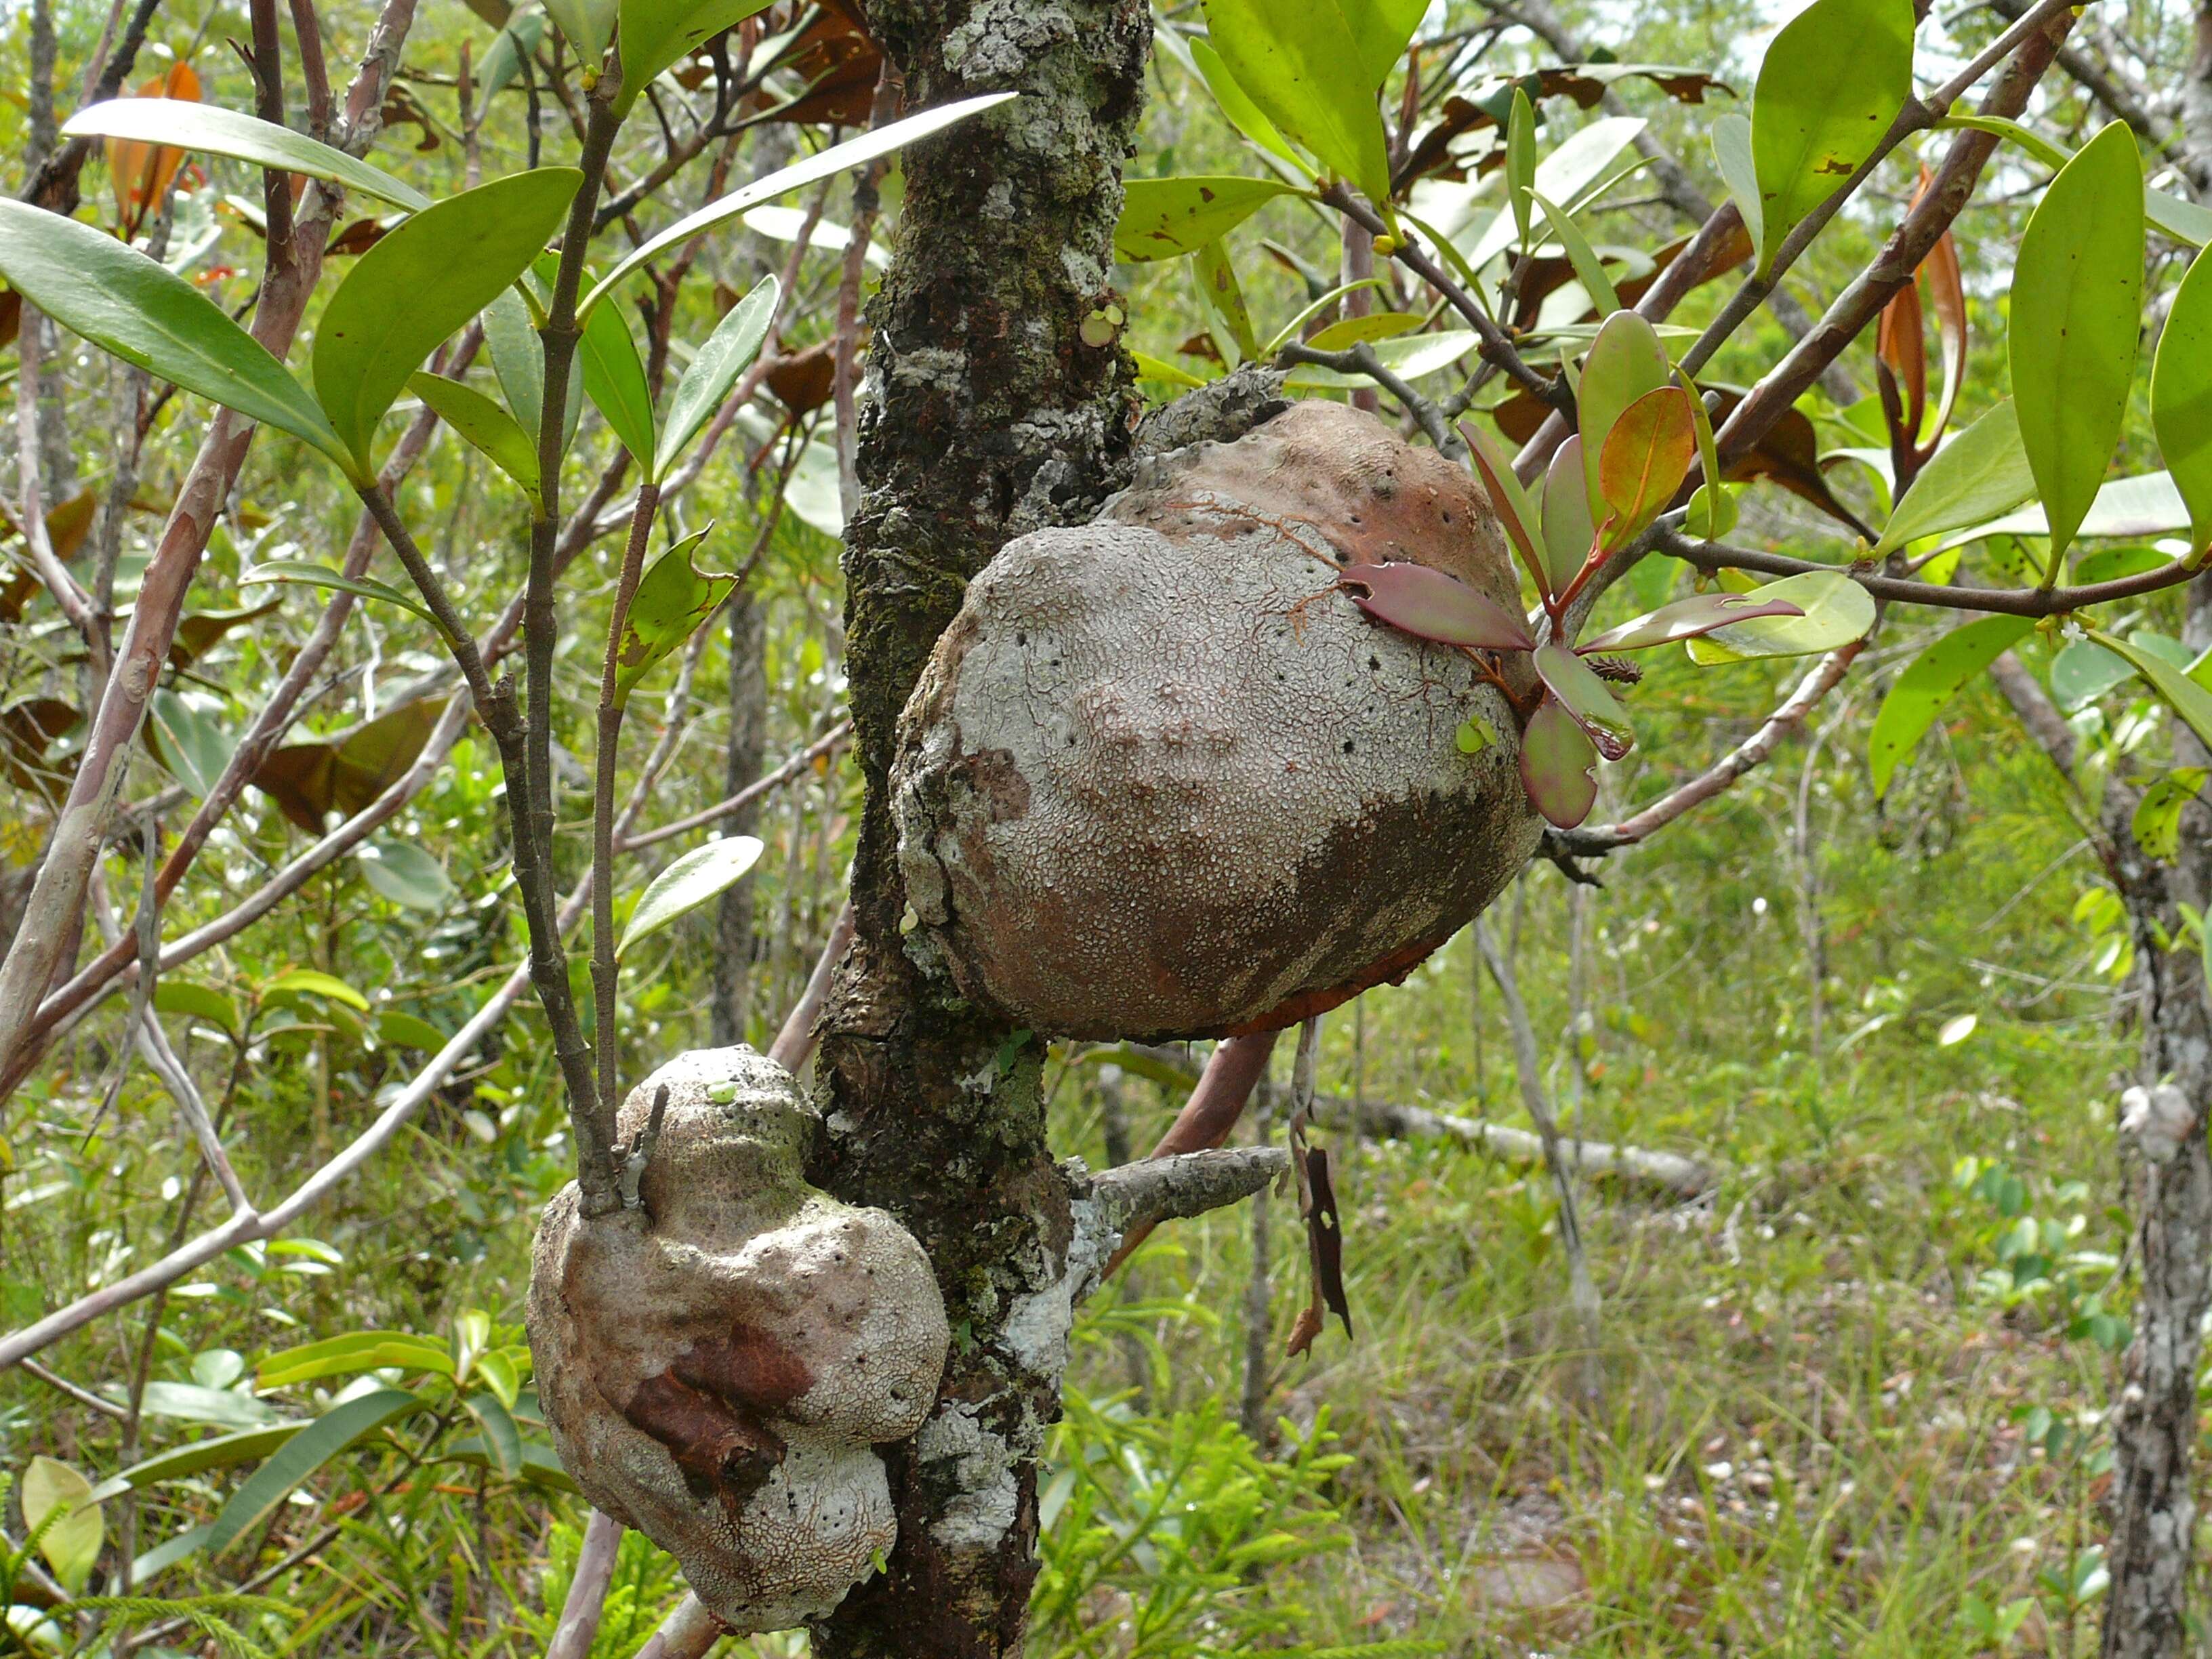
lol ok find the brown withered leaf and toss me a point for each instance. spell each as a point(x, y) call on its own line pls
point(803, 382)
point(142, 173)
point(1585, 83)
point(27, 730)
point(11, 315)
point(1326, 1234)
point(1202, 345)
point(840, 63)
point(344, 773)
point(401, 108)
point(357, 238)
point(197, 634)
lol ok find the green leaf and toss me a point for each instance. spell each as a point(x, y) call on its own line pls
point(356, 1351)
point(1593, 159)
point(1383, 28)
point(1711, 509)
point(1686, 619)
point(1980, 474)
point(503, 60)
point(701, 874)
point(1225, 296)
point(1150, 367)
point(518, 358)
point(1589, 270)
point(1346, 331)
point(2157, 821)
point(405, 873)
point(190, 742)
point(1923, 689)
point(294, 1461)
point(1236, 104)
point(1166, 218)
point(838, 159)
point(484, 425)
point(1832, 82)
point(673, 597)
point(614, 380)
point(540, 1466)
point(127, 304)
point(1521, 166)
point(417, 285)
point(1510, 500)
point(1588, 698)
point(314, 982)
point(178, 996)
point(715, 368)
point(396, 1029)
point(224, 1451)
point(191, 1403)
point(1836, 610)
point(2181, 397)
point(589, 25)
point(502, 1440)
point(180, 123)
point(1625, 363)
point(656, 33)
point(1409, 357)
point(1568, 535)
point(2183, 695)
point(2076, 297)
point(2183, 221)
point(2081, 672)
point(306, 574)
point(1732, 157)
point(1558, 765)
point(1648, 453)
point(1302, 67)
point(58, 1499)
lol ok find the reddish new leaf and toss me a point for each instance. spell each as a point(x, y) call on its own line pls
point(1686, 619)
point(1434, 607)
point(1586, 696)
point(1648, 452)
point(1558, 763)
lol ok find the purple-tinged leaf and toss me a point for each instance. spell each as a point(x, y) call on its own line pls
point(1515, 510)
point(1575, 684)
point(1684, 619)
point(1558, 763)
point(1568, 535)
point(1434, 607)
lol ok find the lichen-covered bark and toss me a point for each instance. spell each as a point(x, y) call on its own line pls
point(2164, 1151)
point(986, 416)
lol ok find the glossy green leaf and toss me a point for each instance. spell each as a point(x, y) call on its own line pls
point(204, 1002)
point(1927, 686)
point(1592, 159)
point(673, 597)
point(1687, 619)
point(223, 1452)
point(189, 739)
point(2125, 508)
point(2076, 298)
point(1588, 698)
point(1832, 81)
point(502, 60)
point(540, 1465)
point(655, 34)
point(418, 284)
point(1589, 270)
point(701, 874)
point(588, 25)
point(1732, 157)
point(396, 1029)
point(614, 380)
point(2180, 693)
point(486, 426)
point(502, 1440)
point(59, 1500)
point(1712, 509)
point(1558, 765)
point(1166, 218)
point(2157, 822)
point(1409, 357)
point(2083, 672)
point(517, 359)
point(1521, 165)
point(1435, 605)
point(1302, 66)
point(306, 574)
point(1225, 297)
point(354, 1352)
point(1625, 361)
point(1648, 453)
point(1236, 104)
point(714, 369)
point(2183, 221)
point(1383, 28)
point(181, 123)
point(838, 158)
point(131, 306)
point(1980, 474)
point(405, 873)
point(297, 1460)
point(2181, 397)
point(1158, 369)
point(1835, 611)
point(1347, 331)
point(1569, 535)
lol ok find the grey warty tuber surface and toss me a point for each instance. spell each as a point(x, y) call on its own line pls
point(718, 1363)
point(1161, 778)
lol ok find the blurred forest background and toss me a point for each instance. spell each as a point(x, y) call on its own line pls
point(1844, 1387)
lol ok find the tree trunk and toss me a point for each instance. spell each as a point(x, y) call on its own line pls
point(2170, 1166)
point(987, 416)
point(748, 746)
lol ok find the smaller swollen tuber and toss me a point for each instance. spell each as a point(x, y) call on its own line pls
point(718, 1362)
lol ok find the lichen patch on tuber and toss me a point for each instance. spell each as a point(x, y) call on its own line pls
point(1162, 778)
point(718, 1363)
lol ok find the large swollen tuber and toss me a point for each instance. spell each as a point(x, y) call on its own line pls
point(718, 1361)
point(1164, 777)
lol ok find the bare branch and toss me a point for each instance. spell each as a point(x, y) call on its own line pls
point(587, 1590)
point(1139, 1196)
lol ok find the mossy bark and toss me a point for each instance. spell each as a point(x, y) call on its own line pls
point(986, 416)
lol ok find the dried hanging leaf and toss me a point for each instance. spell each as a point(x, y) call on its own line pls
point(346, 772)
point(802, 382)
point(27, 730)
point(840, 63)
point(142, 173)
